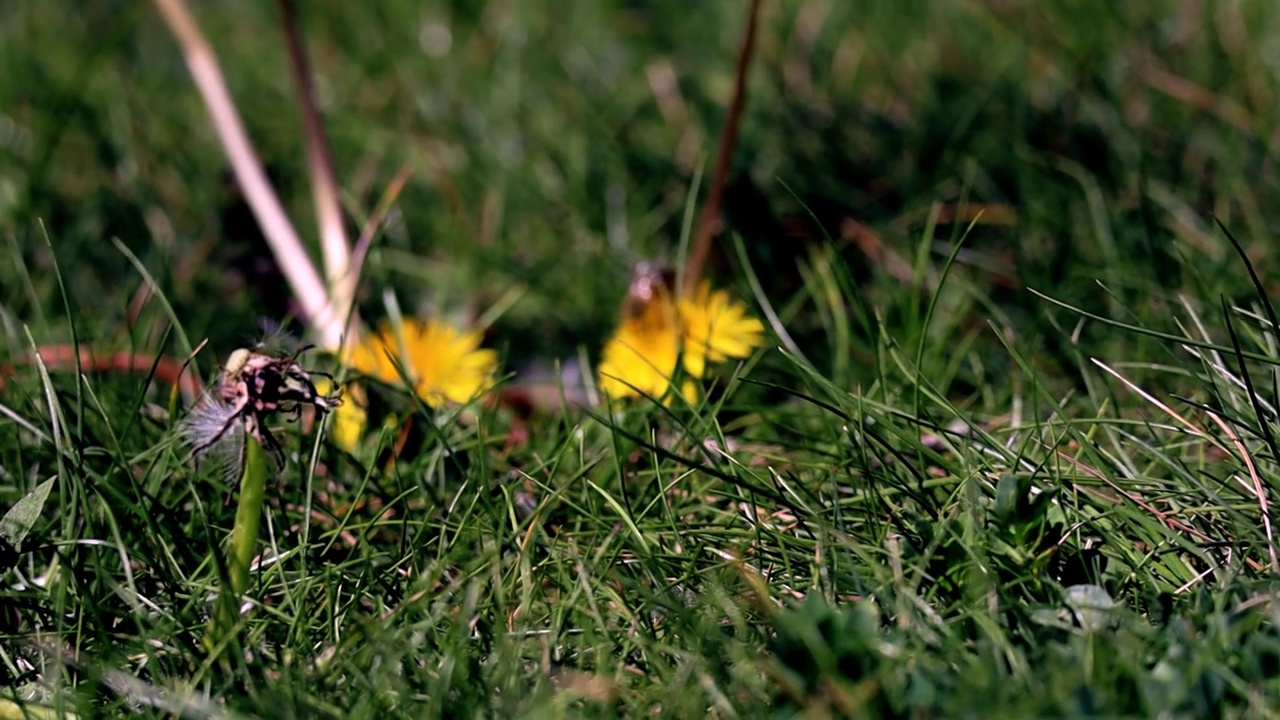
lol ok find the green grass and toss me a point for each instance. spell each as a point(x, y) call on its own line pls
point(949, 486)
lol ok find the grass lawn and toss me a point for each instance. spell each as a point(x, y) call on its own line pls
point(1004, 443)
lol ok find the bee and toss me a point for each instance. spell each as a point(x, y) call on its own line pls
point(252, 387)
point(650, 283)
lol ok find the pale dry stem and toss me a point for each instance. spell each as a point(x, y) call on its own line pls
point(334, 243)
point(283, 239)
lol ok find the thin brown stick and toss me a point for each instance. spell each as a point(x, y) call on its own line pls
point(375, 219)
point(1258, 491)
point(294, 262)
point(165, 370)
point(709, 219)
point(334, 244)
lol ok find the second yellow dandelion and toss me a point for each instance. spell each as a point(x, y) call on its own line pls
point(658, 332)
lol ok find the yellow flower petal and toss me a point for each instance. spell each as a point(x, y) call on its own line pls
point(349, 418)
point(689, 391)
point(716, 327)
point(704, 328)
point(641, 356)
point(369, 357)
point(444, 364)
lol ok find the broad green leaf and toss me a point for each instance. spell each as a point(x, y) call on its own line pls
point(16, 523)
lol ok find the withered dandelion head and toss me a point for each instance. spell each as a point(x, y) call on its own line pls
point(442, 363)
point(215, 429)
point(252, 387)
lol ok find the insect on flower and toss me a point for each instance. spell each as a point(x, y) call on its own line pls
point(251, 388)
point(668, 339)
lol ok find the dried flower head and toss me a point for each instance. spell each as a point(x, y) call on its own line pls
point(251, 388)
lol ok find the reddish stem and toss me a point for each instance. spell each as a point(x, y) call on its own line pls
point(709, 219)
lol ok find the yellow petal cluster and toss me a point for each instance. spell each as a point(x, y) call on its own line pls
point(349, 418)
point(696, 331)
point(442, 363)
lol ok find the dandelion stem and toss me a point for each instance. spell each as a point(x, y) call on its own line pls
point(244, 537)
point(324, 186)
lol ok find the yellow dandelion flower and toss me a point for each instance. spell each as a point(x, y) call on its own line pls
point(657, 332)
point(349, 418)
point(641, 356)
point(716, 327)
point(443, 363)
point(369, 358)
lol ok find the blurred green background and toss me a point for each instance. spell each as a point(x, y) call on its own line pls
point(553, 145)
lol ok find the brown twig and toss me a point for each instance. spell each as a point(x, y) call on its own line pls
point(334, 244)
point(709, 219)
point(165, 370)
point(1197, 96)
point(379, 213)
point(279, 231)
point(1257, 488)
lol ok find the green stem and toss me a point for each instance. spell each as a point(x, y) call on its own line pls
point(244, 538)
